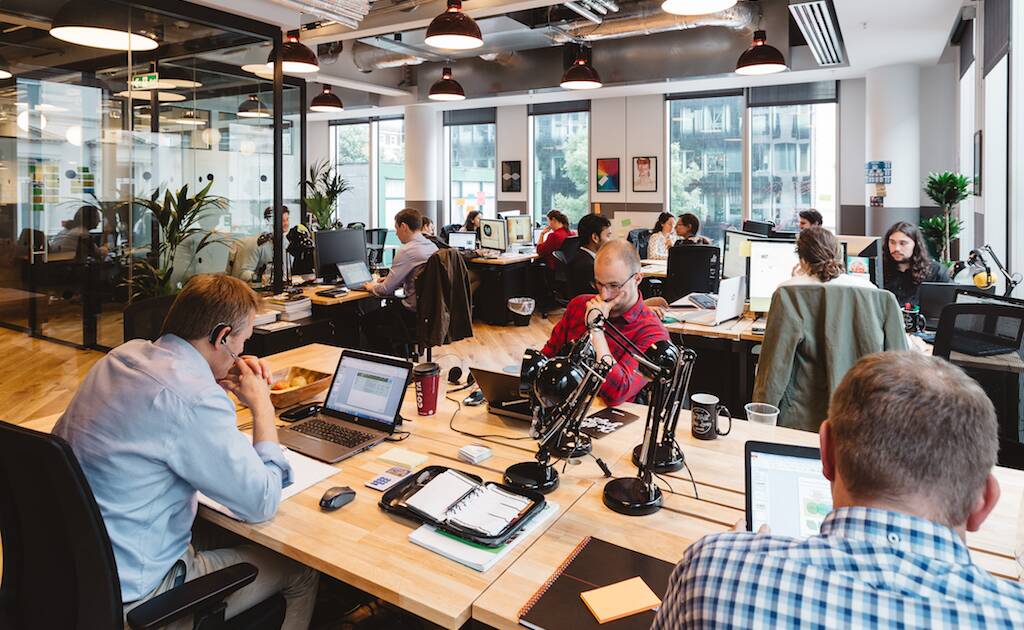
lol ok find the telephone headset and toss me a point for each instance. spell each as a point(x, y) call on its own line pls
point(454, 376)
point(221, 327)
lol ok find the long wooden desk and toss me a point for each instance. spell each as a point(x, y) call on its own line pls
point(504, 260)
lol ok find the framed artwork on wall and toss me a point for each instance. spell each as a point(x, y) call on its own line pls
point(511, 176)
point(607, 175)
point(645, 174)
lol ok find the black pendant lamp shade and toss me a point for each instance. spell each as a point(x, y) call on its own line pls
point(581, 75)
point(447, 89)
point(761, 58)
point(253, 108)
point(296, 58)
point(454, 30)
point(326, 101)
point(99, 25)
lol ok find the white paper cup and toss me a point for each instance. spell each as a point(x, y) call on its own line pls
point(762, 413)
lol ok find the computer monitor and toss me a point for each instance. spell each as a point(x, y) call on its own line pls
point(510, 213)
point(337, 246)
point(763, 228)
point(493, 234)
point(536, 234)
point(462, 240)
point(520, 229)
point(735, 253)
point(771, 262)
point(368, 389)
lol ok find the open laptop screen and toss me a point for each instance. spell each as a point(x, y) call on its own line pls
point(366, 389)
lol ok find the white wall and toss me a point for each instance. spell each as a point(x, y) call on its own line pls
point(851, 142)
point(608, 125)
point(938, 120)
point(625, 128)
point(993, 164)
point(513, 143)
point(317, 142)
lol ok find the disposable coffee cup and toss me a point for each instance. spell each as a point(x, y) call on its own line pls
point(427, 377)
point(762, 413)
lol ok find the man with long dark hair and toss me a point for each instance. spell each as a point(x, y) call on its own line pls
point(906, 263)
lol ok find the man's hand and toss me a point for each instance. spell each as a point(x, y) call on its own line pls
point(658, 306)
point(250, 386)
point(596, 306)
point(741, 526)
point(369, 286)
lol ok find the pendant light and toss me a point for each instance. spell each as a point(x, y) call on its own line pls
point(761, 58)
point(189, 118)
point(4, 72)
point(696, 7)
point(581, 75)
point(296, 58)
point(326, 101)
point(447, 89)
point(454, 30)
point(252, 108)
point(99, 25)
point(176, 78)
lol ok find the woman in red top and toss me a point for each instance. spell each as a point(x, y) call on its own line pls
point(552, 237)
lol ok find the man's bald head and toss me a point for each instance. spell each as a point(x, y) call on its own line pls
point(619, 252)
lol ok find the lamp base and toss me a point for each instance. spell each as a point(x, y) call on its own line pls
point(667, 458)
point(572, 446)
point(632, 496)
point(531, 476)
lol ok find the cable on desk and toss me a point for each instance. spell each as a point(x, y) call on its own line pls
point(398, 436)
point(451, 425)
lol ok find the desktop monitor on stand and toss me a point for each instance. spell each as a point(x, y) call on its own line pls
point(337, 246)
point(520, 230)
point(771, 262)
point(735, 251)
point(494, 234)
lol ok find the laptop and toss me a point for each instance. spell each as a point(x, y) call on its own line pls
point(786, 489)
point(361, 410)
point(731, 293)
point(501, 391)
point(354, 274)
point(462, 240)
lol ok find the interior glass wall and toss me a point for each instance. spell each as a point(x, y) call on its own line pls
point(561, 164)
point(472, 170)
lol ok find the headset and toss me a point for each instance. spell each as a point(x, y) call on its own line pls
point(217, 330)
point(454, 375)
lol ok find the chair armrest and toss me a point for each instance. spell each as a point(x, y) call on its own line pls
point(190, 597)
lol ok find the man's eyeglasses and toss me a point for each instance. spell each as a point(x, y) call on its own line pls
point(614, 287)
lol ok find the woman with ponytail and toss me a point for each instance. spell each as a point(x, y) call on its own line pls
point(821, 260)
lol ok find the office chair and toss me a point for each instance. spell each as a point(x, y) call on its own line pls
point(59, 569)
point(764, 228)
point(987, 342)
point(639, 238)
point(143, 319)
point(691, 269)
point(375, 246)
point(356, 225)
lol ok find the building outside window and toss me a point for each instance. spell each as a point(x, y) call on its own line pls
point(390, 170)
point(472, 170)
point(350, 146)
point(561, 164)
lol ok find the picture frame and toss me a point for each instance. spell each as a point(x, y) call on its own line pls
point(977, 163)
point(645, 173)
point(607, 175)
point(511, 176)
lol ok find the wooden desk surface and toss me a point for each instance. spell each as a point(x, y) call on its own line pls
point(1008, 362)
point(505, 260)
point(741, 329)
point(352, 296)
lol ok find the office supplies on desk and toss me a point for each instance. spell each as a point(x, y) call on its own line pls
point(592, 564)
point(403, 457)
point(388, 479)
point(620, 600)
point(337, 497)
point(474, 453)
point(332, 293)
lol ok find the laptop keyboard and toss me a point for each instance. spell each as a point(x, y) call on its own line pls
point(333, 433)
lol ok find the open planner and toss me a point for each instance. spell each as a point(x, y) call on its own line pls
point(455, 499)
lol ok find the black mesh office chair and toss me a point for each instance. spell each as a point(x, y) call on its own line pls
point(639, 238)
point(143, 319)
point(375, 246)
point(59, 569)
point(985, 340)
point(692, 269)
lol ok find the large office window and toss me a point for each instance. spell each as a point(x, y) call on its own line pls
point(390, 170)
point(471, 170)
point(706, 161)
point(350, 146)
point(793, 162)
point(561, 164)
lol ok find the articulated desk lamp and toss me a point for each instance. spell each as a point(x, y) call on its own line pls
point(981, 273)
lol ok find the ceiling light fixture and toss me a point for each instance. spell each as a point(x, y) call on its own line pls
point(447, 89)
point(761, 58)
point(99, 25)
point(696, 7)
point(260, 70)
point(454, 30)
point(144, 95)
point(326, 101)
point(296, 58)
point(189, 118)
point(252, 108)
point(175, 78)
point(581, 75)
point(4, 72)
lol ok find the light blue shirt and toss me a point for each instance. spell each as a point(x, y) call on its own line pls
point(150, 426)
point(405, 268)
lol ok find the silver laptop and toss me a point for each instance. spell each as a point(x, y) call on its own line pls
point(362, 408)
point(462, 240)
point(354, 275)
point(731, 292)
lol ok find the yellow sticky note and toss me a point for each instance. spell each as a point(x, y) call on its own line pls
point(745, 249)
point(620, 600)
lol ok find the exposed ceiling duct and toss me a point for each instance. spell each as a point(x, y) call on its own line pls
point(647, 17)
point(347, 12)
point(369, 58)
point(818, 25)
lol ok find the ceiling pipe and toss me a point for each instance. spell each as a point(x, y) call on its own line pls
point(649, 18)
point(586, 13)
point(368, 58)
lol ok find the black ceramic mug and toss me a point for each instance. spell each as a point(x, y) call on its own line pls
point(704, 412)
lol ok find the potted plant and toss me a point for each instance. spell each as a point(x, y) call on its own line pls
point(178, 215)
point(946, 190)
point(323, 187)
point(934, 231)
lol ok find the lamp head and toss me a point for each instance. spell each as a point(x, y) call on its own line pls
point(664, 354)
point(556, 381)
point(533, 361)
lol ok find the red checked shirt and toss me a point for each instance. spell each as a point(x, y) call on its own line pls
point(638, 324)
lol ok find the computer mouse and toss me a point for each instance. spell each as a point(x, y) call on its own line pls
point(474, 399)
point(336, 497)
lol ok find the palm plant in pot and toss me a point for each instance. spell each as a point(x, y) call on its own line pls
point(323, 187)
point(946, 190)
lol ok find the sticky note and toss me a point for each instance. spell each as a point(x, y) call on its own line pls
point(745, 249)
point(620, 600)
point(403, 457)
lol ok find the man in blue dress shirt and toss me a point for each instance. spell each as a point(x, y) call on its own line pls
point(152, 424)
point(909, 447)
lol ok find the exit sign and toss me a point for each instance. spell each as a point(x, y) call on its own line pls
point(145, 81)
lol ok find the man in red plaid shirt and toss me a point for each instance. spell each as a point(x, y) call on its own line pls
point(617, 279)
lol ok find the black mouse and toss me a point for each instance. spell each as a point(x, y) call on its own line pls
point(474, 399)
point(336, 497)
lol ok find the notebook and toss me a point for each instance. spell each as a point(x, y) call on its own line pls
point(593, 564)
point(454, 498)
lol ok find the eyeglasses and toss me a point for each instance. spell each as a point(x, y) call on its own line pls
point(614, 287)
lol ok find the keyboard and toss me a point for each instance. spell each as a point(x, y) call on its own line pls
point(981, 345)
point(333, 433)
point(703, 300)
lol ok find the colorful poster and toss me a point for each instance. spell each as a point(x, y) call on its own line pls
point(607, 175)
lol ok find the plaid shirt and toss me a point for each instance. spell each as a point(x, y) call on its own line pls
point(868, 568)
point(638, 324)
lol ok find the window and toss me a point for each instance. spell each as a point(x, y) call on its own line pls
point(561, 164)
point(706, 161)
point(793, 162)
point(471, 170)
point(390, 170)
point(351, 151)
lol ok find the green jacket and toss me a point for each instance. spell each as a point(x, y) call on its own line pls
point(815, 333)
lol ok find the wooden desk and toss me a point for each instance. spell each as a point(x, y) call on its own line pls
point(741, 329)
point(352, 296)
point(504, 260)
point(655, 270)
point(1008, 362)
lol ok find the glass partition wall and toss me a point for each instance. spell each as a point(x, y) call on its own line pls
point(92, 141)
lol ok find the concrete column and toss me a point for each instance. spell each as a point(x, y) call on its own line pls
point(423, 144)
point(893, 134)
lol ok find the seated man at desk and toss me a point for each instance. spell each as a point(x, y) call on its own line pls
point(688, 231)
point(406, 266)
point(906, 263)
point(250, 255)
point(810, 218)
point(594, 231)
point(908, 447)
point(151, 425)
point(617, 279)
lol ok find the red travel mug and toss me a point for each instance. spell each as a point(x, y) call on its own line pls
point(427, 377)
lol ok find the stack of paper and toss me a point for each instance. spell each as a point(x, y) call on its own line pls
point(292, 307)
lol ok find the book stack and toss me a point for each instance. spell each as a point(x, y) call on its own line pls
point(291, 307)
point(266, 316)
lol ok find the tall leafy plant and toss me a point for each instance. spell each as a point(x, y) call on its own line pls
point(323, 187)
point(946, 190)
point(178, 216)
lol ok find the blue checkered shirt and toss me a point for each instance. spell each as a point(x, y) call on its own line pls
point(868, 568)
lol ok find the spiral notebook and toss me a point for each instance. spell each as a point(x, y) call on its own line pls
point(593, 564)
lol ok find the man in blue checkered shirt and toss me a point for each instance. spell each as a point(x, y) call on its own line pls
point(909, 446)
